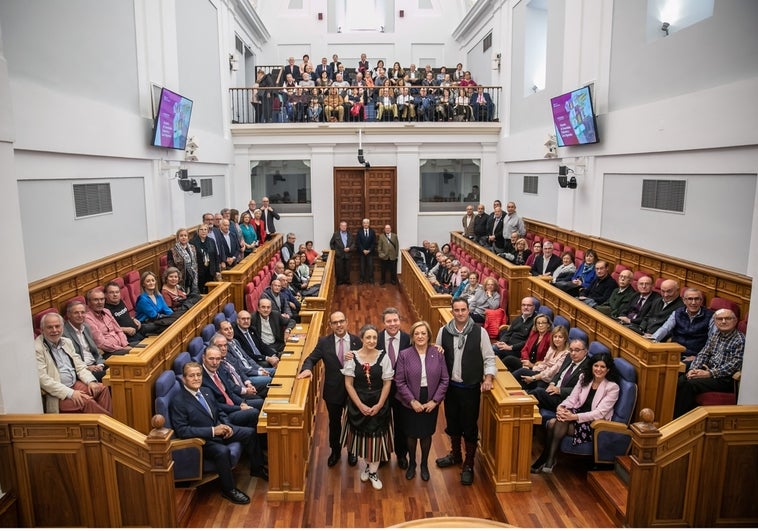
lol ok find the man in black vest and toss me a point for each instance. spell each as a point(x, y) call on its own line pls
point(471, 364)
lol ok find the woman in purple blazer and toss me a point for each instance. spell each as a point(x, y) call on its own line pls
point(593, 398)
point(421, 378)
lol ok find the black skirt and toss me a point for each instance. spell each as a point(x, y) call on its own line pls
point(420, 425)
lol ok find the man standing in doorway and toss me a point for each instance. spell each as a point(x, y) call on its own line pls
point(388, 248)
point(343, 244)
point(365, 240)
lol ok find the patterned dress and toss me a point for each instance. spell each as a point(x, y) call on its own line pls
point(369, 437)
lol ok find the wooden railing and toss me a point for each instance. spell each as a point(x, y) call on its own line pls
point(78, 470)
point(517, 275)
point(424, 300)
point(323, 275)
point(132, 377)
point(698, 471)
point(55, 290)
point(657, 364)
point(246, 270)
point(712, 281)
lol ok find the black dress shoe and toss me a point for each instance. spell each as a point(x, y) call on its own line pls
point(402, 462)
point(333, 458)
point(236, 496)
point(259, 472)
point(411, 472)
point(424, 472)
point(352, 459)
point(448, 460)
point(467, 476)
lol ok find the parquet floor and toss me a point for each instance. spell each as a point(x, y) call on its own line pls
point(337, 498)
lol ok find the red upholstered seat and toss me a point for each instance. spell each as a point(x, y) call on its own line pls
point(493, 320)
point(557, 248)
point(131, 280)
point(37, 319)
point(721, 398)
point(718, 303)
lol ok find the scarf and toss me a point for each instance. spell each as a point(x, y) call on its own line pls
point(190, 266)
point(460, 336)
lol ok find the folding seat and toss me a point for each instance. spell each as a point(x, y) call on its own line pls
point(125, 295)
point(557, 248)
point(162, 265)
point(229, 309)
point(220, 316)
point(545, 310)
point(78, 298)
point(251, 302)
point(37, 320)
point(502, 282)
point(559, 320)
point(742, 325)
point(657, 286)
point(196, 348)
point(131, 280)
point(569, 249)
point(504, 301)
point(207, 332)
point(578, 333)
point(179, 361)
point(486, 272)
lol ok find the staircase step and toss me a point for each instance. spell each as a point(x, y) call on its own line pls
point(184, 505)
point(612, 493)
point(623, 467)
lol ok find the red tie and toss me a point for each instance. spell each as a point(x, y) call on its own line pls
point(341, 351)
point(392, 350)
point(221, 388)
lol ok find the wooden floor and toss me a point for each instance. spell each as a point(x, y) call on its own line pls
point(337, 498)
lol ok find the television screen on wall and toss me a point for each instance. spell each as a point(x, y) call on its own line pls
point(574, 118)
point(172, 120)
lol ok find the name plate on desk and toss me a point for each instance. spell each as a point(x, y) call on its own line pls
point(281, 392)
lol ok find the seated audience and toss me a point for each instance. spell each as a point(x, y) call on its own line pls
point(583, 276)
point(272, 328)
point(183, 256)
point(482, 105)
point(250, 343)
point(564, 273)
point(601, 288)
point(620, 297)
point(279, 300)
point(66, 383)
point(592, 399)
point(509, 248)
point(535, 348)
point(714, 366)
point(689, 325)
point(176, 298)
point(207, 257)
point(513, 338)
point(79, 333)
point(105, 329)
point(301, 268)
point(463, 272)
point(150, 305)
point(289, 297)
point(484, 299)
point(522, 254)
point(546, 263)
point(311, 253)
point(539, 374)
point(212, 426)
point(653, 315)
point(250, 372)
point(131, 327)
point(536, 251)
point(641, 301)
point(565, 379)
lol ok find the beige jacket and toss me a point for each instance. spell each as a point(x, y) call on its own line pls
point(385, 249)
point(53, 391)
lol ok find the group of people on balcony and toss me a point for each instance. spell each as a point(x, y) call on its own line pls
point(330, 93)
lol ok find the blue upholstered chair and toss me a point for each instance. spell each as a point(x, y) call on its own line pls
point(230, 312)
point(196, 347)
point(545, 310)
point(179, 361)
point(559, 320)
point(208, 332)
point(578, 333)
point(220, 316)
point(187, 454)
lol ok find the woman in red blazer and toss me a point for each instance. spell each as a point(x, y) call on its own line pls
point(421, 378)
point(536, 346)
point(593, 398)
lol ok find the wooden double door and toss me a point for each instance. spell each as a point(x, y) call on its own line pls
point(365, 193)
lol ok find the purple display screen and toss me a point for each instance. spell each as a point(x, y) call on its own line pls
point(574, 118)
point(172, 121)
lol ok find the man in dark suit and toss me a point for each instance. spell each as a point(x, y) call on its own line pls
point(365, 241)
point(324, 67)
point(393, 340)
point(334, 67)
point(547, 262)
point(80, 335)
point(660, 310)
point(565, 379)
point(331, 349)
point(247, 369)
point(271, 327)
point(194, 414)
point(513, 339)
point(495, 240)
point(269, 215)
point(251, 343)
point(482, 105)
point(601, 288)
point(480, 225)
point(228, 245)
point(292, 68)
point(343, 244)
point(640, 303)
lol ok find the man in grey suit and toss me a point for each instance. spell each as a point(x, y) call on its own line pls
point(269, 215)
point(80, 335)
point(331, 349)
point(565, 379)
point(387, 248)
point(392, 340)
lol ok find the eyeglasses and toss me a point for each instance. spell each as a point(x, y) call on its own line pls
point(692, 299)
point(341, 321)
point(723, 318)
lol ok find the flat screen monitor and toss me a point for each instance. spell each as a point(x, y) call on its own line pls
point(172, 120)
point(574, 118)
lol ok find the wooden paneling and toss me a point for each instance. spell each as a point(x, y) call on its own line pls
point(697, 471)
point(712, 281)
point(72, 470)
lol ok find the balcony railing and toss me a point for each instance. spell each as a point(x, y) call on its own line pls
point(256, 105)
